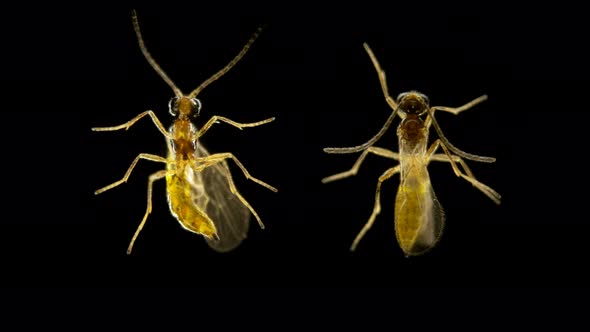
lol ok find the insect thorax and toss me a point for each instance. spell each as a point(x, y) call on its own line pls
point(412, 134)
point(183, 144)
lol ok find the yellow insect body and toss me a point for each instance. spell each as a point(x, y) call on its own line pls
point(200, 189)
point(200, 194)
point(184, 186)
point(419, 217)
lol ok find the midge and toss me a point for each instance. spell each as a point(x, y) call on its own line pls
point(201, 193)
point(419, 217)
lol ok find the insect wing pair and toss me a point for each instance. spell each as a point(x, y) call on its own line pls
point(203, 198)
point(419, 217)
point(201, 192)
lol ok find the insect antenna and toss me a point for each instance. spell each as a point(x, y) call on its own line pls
point(229, 66)
point(389, 100)
point(453, 148)
point(367, 144)
point(151, 60)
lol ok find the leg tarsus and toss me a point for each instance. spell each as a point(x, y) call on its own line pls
point(353, 171)
point(234, 190)
point(145, 156)
point(215, 119)
point(155, 176)
point(469, 177)
point(131, 122)
point(218, 157)
point(457, 110)
point(377, 208)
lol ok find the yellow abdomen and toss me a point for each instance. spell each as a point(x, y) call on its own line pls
point(183, 192)
point(418, 215)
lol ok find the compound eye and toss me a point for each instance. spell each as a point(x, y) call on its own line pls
point(425, 98)
point(197, 104)
point(173, 106)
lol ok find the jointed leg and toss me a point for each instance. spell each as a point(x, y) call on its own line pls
point(353, 171)
point(238, 125)
point(131, 122)
point(234, 190)
point(457, 159)
point(218, 157)
point(146, 156)
point(382, 78)
point(455, 110)
point(491, 193)
point(389, 173)
point(156, 176)
point(447, 157)
point(389, 120)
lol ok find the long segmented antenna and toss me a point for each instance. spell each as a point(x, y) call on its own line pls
point(229, 66)
point(151, 60)
point(392, 103)
point(367, 144)
point(454, 148)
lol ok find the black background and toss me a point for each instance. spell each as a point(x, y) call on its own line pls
point(67, 69)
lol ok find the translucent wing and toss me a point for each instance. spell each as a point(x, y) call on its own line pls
point(432, 227)
point(419, 217)
point(230, 216)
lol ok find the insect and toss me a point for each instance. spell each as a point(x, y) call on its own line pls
point(200, 189)
point(419, 217)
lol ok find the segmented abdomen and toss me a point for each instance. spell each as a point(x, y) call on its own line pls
point(419, 217)
point(182, 195)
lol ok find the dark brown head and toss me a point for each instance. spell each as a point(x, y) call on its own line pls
point(413, 102)
point(184, 107)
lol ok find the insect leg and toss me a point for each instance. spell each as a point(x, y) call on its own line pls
point(145, 156)
point(215, 119)
point(131, 122)
point(389, 173)
point(389, 100)
point(232, 187)
point(353, 171)
point(430, 120)
point(457, 110)
point(491, 193)
point(218, 157)
point(457, 159)
point(382, 78)
point(156, 176)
